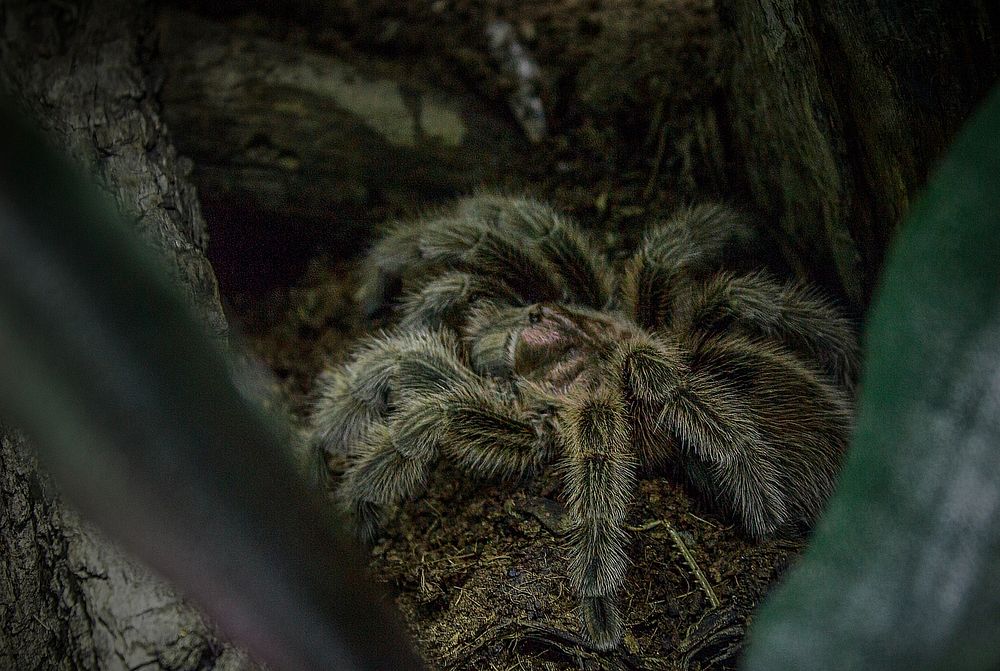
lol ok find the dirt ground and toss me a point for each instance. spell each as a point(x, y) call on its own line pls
point(478, 569)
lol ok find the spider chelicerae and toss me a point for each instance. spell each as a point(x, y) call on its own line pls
point(517, 344)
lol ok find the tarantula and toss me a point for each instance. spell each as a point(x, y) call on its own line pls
point(518, 343)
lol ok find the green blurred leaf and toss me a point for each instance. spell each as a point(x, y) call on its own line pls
point(904, 569)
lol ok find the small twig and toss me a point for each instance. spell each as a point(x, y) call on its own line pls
point(461, 594)
point(43, 623)
point(447, 558)
point(693, 565)
point(703, 520)
point(682, 547)
point(493, 559)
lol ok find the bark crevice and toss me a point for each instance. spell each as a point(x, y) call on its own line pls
point(85, 73)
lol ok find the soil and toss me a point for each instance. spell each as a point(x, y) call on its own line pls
point(478, 569)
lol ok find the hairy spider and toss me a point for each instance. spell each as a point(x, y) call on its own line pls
point(517, 343)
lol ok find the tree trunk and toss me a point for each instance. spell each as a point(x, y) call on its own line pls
point(70, 599)
point(841, 109)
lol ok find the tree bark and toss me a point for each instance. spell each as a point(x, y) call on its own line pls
point(69, 599)
point(294, 148)
point(841, 109)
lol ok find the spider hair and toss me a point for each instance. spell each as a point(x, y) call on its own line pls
point(516, 344)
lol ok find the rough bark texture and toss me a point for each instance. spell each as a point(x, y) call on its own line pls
point(294, 147)
point(44, 621)
point(68, 598)
point(84, 72)
point(840, 111)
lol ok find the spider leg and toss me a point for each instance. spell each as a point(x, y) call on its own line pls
point(353, 396)
point(440, 300)
point(466, 422)
point(424, 249)
point(693, 244)
point(572, 253)
point(390, 464)
point(802, 421)
point(493, 437)
point(600, 476)
point(521, 243)
point(790, 313)
point(709, 418)
point(468, 244)
point(733, 412)
point(395, 252)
